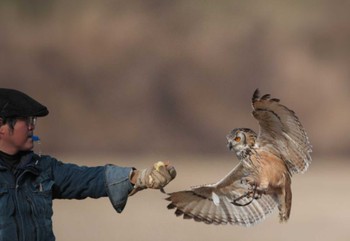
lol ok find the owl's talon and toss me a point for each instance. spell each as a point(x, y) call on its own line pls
point(253, 195)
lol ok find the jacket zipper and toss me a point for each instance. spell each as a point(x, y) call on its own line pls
point(32, 207)
point(18, 206)
point(19, 212)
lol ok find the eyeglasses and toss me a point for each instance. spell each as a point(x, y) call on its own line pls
point(30, 120)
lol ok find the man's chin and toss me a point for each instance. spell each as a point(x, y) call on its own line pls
point(29, 145)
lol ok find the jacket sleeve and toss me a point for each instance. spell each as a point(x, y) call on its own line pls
point(118, 185)
point(79, 182)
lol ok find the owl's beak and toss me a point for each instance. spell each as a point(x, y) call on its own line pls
point(229, 145)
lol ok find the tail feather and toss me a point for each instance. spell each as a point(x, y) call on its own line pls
point(285, 201)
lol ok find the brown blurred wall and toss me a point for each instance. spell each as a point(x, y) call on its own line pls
point(176, 76)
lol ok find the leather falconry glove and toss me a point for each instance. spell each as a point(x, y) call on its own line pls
point(155, 177)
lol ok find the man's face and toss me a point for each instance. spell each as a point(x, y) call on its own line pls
point(18, 139)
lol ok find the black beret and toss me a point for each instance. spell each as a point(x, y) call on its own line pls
point(14, 103)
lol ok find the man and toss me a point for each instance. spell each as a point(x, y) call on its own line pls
point(29, 182)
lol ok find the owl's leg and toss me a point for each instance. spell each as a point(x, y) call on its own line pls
point(260, 192)
point(251, 194)
point(262, 188)
point(255, 190)
point(249, 181)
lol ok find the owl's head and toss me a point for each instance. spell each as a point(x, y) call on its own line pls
point(240, 140)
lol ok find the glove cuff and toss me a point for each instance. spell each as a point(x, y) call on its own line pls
point(139, 185)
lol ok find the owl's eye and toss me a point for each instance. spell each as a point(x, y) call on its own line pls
point(237, 138)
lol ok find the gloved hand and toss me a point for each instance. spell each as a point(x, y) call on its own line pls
point(155, 177)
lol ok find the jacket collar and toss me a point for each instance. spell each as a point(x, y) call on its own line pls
point(29, 161)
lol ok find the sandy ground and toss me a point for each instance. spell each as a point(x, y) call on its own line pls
point(320, 207)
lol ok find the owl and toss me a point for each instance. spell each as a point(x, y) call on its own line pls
point(261, 182)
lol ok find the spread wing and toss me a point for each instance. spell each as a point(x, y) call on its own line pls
point(216, 204)
point(280, 127)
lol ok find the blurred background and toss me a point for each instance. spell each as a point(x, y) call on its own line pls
point(134, 82)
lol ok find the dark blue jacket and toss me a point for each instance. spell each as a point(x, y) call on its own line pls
point(26, 195)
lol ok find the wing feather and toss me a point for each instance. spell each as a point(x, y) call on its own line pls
point(214, 203)
point(282, 132)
